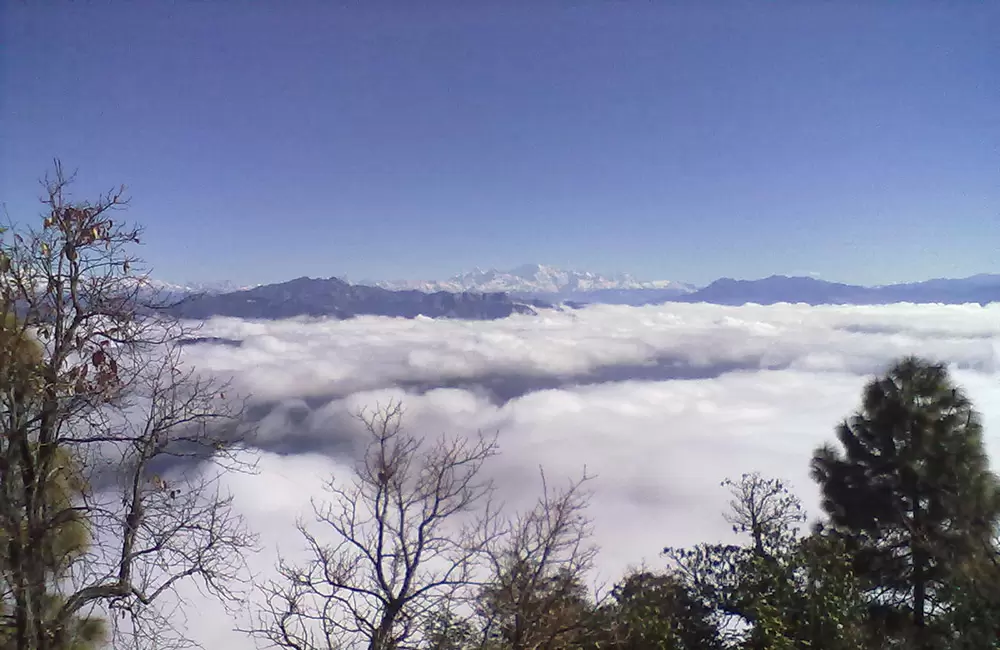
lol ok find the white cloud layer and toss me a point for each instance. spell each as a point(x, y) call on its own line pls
point(660, 403)
point(302, 358)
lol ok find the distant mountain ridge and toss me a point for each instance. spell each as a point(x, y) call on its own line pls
point(169, 291)
point(553, 284)
point(983, 289)
point(578, 288)
point(332, 297)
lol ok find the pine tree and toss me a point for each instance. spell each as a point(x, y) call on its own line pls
point(92, 384)
point(910, 492)
point(67, 535)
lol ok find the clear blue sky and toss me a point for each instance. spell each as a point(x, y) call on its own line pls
point(267, 140)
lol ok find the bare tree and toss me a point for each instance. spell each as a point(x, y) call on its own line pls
point(764, 509)
point(110, 397)
point(406, 534)
point(536, 595)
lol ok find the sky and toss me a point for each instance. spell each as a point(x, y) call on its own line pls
point(263, 141)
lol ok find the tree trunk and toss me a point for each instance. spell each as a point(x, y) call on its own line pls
point(38, 590)
point(381, 639)
point(919, 593)
point(918, 553)
point(22, 632)
point(917, 546)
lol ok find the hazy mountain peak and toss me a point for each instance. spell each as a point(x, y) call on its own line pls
point(536, 279)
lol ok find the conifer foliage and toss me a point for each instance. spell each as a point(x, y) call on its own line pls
point(94, 403)
point(911, 493)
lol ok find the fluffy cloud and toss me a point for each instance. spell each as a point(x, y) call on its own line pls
point(659, 403)
point(300, 358)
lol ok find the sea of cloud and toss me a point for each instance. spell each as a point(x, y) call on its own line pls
point(659, 403)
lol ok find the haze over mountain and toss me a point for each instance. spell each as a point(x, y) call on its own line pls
point(983, 288)
point(332, 297)
point(554, 285)
point(535, 278)
point(179, 290)
point(490, 295)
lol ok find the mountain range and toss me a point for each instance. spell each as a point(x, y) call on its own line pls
point(983, 289)
point(535, 278)
point(332, 297)
point(555, 285)
point(483, 295)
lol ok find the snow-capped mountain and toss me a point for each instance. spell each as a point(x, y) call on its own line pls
point(497, 294)
point(225, 286)
point(540, 280)
point(161, 292)
point(161, 286)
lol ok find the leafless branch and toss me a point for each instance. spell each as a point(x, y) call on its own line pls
point(404, 538)
point(87, 426)
point(536, 592)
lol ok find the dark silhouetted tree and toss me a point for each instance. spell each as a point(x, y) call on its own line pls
point(654, 611)
point(781, 590)
point(911, 493)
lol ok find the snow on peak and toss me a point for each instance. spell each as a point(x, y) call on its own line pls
point(172, 288)
point(534, 279)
